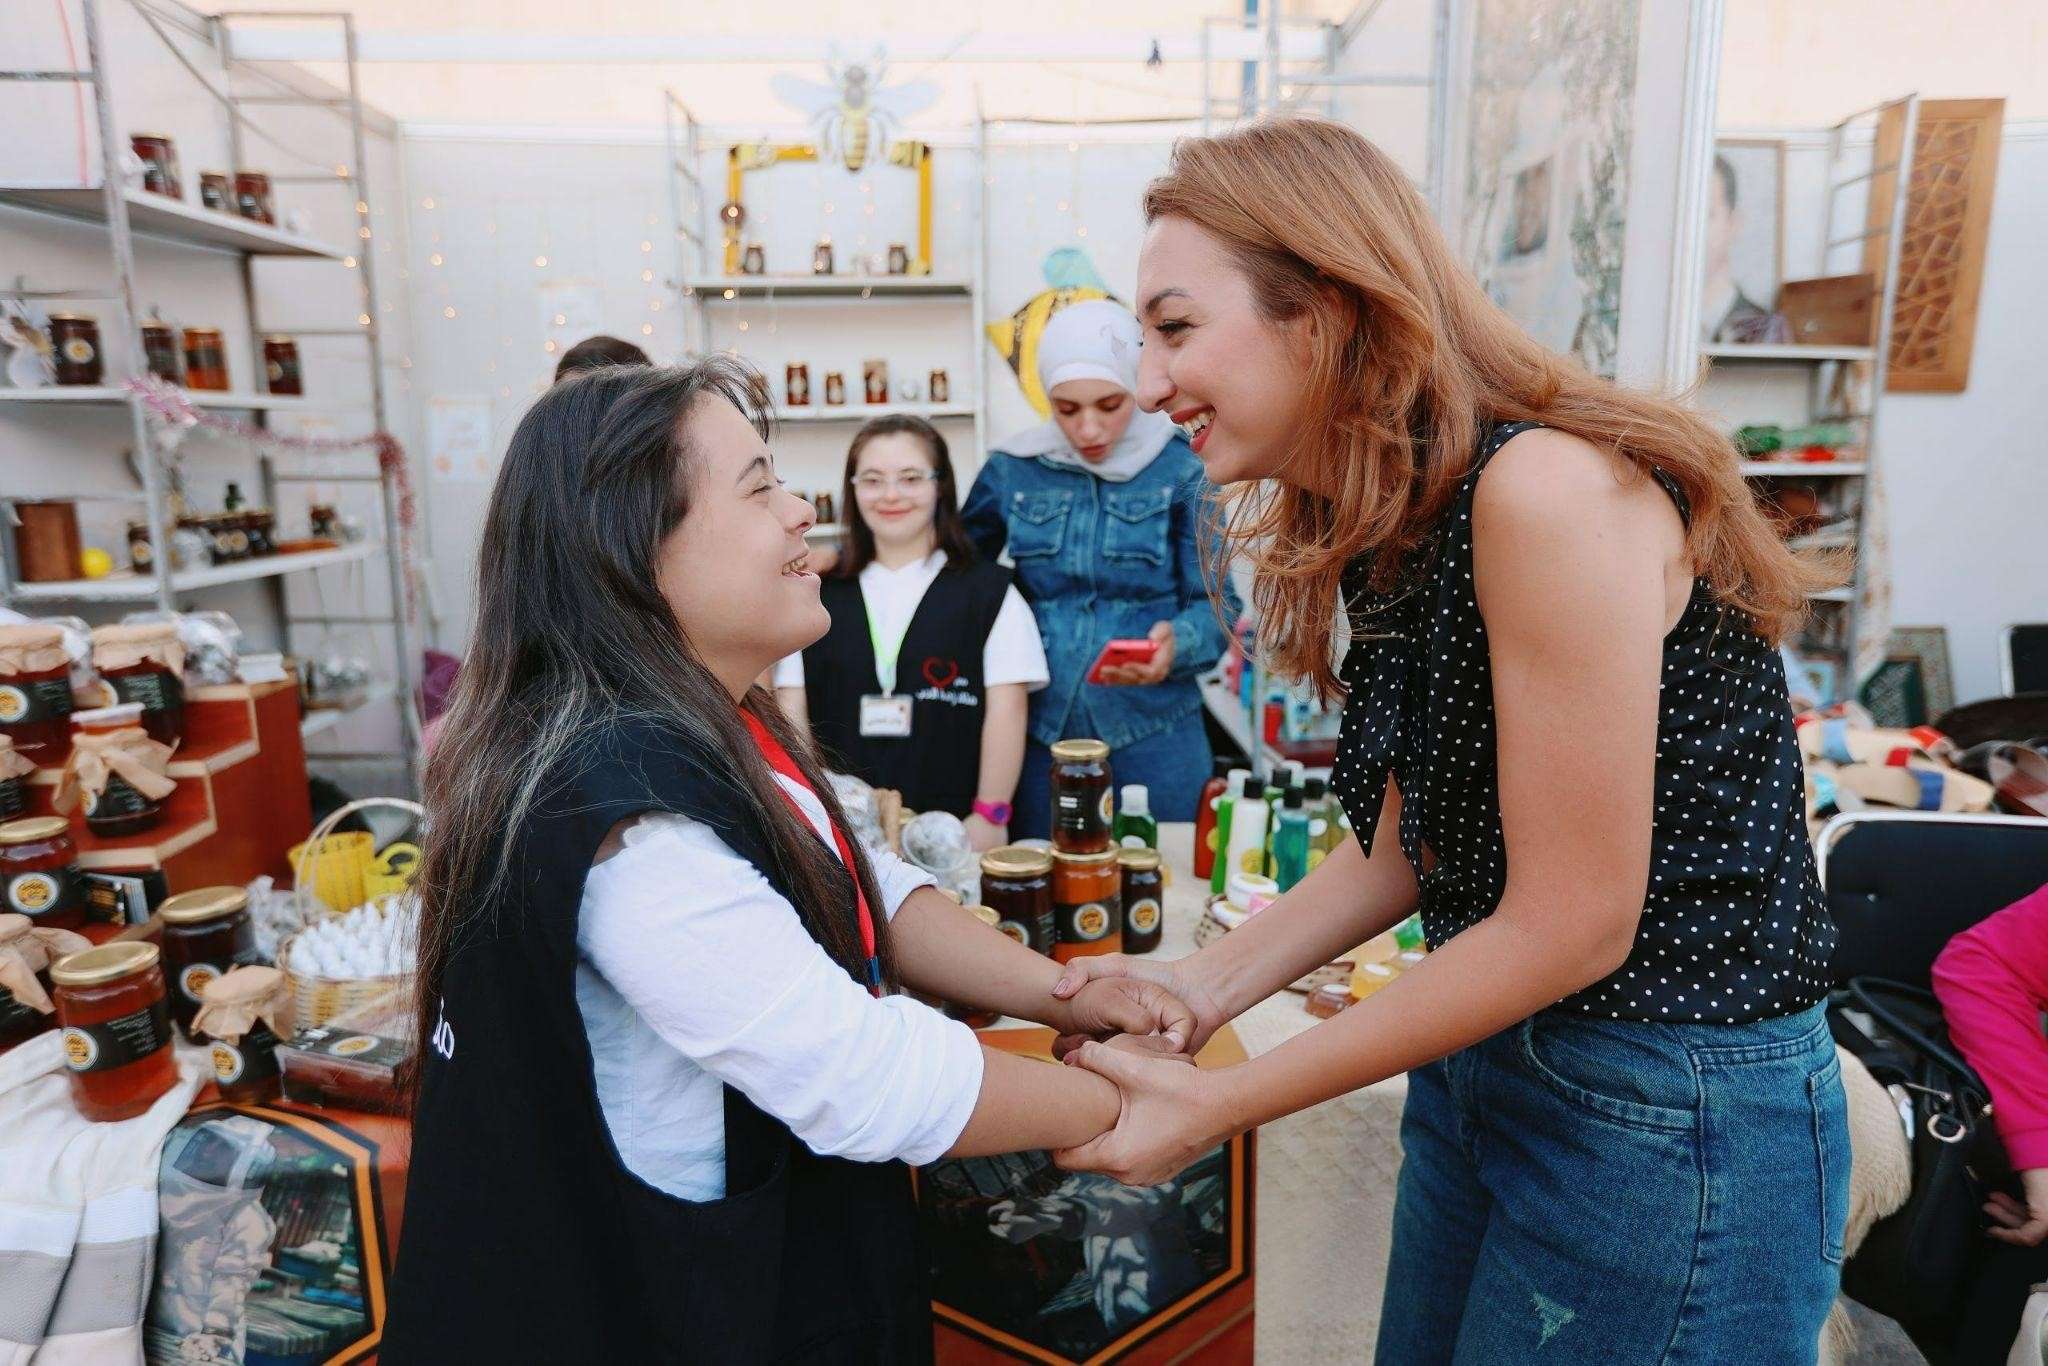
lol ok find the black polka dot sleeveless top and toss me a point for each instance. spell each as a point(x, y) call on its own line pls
point(1734, 927)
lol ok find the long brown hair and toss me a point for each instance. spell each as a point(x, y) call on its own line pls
point(949, 532)
point(573, 636)
point(1409, 360)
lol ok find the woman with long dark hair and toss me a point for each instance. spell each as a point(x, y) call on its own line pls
point(667, 1091)
point(1565, 740)
point(922, 683)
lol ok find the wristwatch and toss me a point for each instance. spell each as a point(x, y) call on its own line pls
point(995, 813)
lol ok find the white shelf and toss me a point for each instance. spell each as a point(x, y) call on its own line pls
point(1788, 353)
point(327, 718)
point(200, 398)
point(1834, 595)
point(715, 288)
point(829, 531)
point(159, 216)
point(1805, 469)
point(141, 588)
point(861, 412)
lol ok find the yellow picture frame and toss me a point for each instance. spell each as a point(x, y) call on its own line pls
point(743, 157)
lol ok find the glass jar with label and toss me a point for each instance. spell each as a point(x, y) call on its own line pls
point(206, 933)
point(1144, 897)
point(160, 351)
point(206, 359)
point(216, 191)
point(117, 1028)
point(26, 1009)
point(1082, 806)
point(281, 366)
point(144, 663)
point(252, 197)
point(76, 338)
point(39, 875)
point(238, 1023)
point(1016, 883)
point(159, 157)
point(1087, 905)
point(119, 808)
point(35, 691)
point(141, 555)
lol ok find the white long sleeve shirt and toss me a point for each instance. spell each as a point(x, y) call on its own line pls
point(694, 973)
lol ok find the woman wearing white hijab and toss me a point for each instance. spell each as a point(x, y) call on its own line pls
point(1102, 509)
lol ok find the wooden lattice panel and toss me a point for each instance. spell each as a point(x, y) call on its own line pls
point(1941, 255)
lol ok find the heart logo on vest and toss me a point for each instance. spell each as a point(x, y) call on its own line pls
point(940, 673)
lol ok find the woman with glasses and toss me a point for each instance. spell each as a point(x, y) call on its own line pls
point(921, 683)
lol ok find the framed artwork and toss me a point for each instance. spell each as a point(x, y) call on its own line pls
point(1927, 648)
point(1744, 240)
point(742, 157)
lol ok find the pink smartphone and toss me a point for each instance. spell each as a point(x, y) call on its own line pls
point(1121, 652)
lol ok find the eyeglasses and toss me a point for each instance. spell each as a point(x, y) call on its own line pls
point(910, 481)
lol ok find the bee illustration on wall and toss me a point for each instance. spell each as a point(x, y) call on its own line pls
point(855, 115)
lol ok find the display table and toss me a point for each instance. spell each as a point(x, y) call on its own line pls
point(1324, 1180)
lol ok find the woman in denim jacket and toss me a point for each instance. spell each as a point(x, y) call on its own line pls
point(1102, 509)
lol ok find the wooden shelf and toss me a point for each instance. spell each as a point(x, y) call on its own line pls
point(861, 412)
point(132, 587)
point(1788, 353)
point(1805, 469)
point(200, 398)
point(173, 220)
point(720, 288)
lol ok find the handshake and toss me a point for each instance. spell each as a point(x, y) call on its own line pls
point(1138, 1023)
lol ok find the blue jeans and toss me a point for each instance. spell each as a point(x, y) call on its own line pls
point(1578, 1190)
point(1172, 765)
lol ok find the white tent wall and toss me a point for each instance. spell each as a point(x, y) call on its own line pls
point(1965, 474)
point(78, 451)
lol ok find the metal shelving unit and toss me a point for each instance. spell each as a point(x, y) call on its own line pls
point(1885, 222)
point(126, 213)
point(703, 288)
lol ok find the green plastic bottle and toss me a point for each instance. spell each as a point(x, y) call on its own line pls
point(1226, 806)
point(1290, 841)
point(1135, 828)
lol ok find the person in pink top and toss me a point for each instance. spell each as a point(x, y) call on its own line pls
point(1992, 980)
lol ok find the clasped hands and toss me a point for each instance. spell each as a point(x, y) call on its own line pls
point(1139, 1024)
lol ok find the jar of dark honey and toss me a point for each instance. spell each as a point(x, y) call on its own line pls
point(206, 359)
point(216, 191)
point(160, 351)
point(1016, 883)
point(145, 663)
point(1144, 898)
point(39, 875)
point(262, 530)
point(159, 157)
point(281, 366)
point(141, 556)
point(252, 197)
point(235, 1026)
point(117, 1028)
point(1082, 804)
point(26, 1009)
point(1087, 905)
point(77, 340)
point(35, 691)
point(206, 933)
point(120, 809)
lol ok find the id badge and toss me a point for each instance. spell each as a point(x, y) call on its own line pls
point(884, 718)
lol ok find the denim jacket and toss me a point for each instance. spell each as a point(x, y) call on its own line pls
point(1100, 561)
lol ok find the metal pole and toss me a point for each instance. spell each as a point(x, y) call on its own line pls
point(401, 625)
point(1439, 106)
point(978, 313)
point(1269, 15)
point(127, 322)
point(1208, 93)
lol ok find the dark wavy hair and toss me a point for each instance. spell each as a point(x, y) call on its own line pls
point(573, 636)
point(947, 527)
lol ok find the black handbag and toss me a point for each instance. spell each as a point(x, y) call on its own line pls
point(1916, 1265)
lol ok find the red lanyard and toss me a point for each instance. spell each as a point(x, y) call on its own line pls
point(779, 760)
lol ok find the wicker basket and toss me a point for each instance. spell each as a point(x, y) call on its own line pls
point(330, 866)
